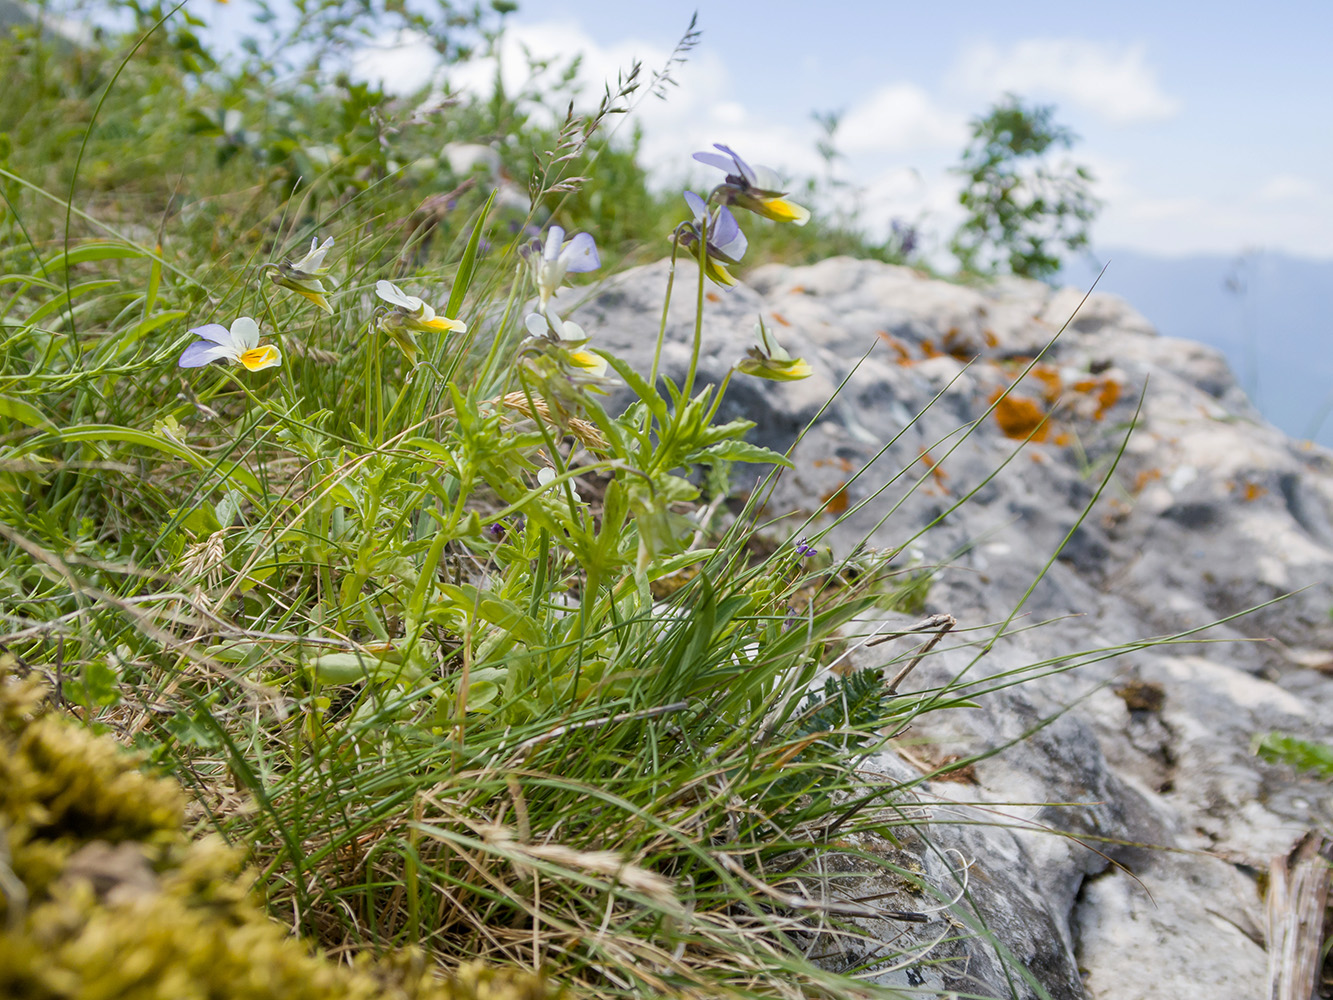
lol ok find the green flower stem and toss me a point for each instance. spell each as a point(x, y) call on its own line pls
point(666, 305)
point(486, 374)
point(688, 388)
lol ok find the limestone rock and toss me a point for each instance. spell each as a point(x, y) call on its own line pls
point(1115, 816)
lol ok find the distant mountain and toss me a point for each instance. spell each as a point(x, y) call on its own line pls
point(1270, 314)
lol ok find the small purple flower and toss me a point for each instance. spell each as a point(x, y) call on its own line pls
point(789, 622)
point(725, 243)
point(556, 257)
point(905, 234)
point(804, 549)
point(496, 530)
point(757, 188)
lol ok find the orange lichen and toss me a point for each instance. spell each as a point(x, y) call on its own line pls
point(1106, 398)
point(1062, 439)
point(956, 350)
point(780, 319)
point(845, 464)
point(939, 475)
point(797, 290)
point(1051, 383)
point(1145, 477)
point(1106, 391)
point(897, 346)
point(712, 297)
point(1020, 417)
point(1249, 489)
point(835, 500)
point(929, 350)
point(989, 337)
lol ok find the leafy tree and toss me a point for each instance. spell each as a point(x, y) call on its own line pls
point(1021, 208)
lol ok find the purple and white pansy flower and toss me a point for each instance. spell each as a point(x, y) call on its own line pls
point(239, 345)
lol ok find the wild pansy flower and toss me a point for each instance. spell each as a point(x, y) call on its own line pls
point(555, 258)
point(568, 338)
point(724, 242)
point(768, 360)
point(239, 345)
point(757, 188)
point(306, 277)
point(408, 315)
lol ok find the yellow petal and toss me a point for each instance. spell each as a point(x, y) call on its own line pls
point(316, 298)
point(258, 358)
point(718, 273)
point(595, 363)
point(782, 210)
point(440, 323)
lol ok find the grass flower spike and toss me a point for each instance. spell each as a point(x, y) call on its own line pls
point(306, 277)
point(768, 360)
point(724, 242)
point(558, 257)
point(757, 188)
point(411, 315)
point(239, 345)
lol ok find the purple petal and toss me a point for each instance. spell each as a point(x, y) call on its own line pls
point(215, 332)
point(726, 163)
point(580, 254)
point(200, 353)
point(727, 235)
point(742, 167)
point(697, 205)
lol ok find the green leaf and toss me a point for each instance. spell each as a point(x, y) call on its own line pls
point(738, 451)
point(349, 668)
point(24, 413)
point(639, 386)
point(1301, 754)
point(95, 250)
point(468, 265)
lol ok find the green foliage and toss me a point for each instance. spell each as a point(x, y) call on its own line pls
point(1021, 209)
point(1296, 752)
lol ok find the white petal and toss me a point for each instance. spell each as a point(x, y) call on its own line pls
point(545, 475)
point(314, 260)
point(395, 296)
point(536, 324)
point(244, 334)
point(554, 237)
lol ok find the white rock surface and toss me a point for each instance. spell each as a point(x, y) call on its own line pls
point(1116, 824)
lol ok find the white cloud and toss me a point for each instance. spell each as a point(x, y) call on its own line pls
point(1112, 81)
point(898, 118)
point(1216, 223)
point(400, 63)
point(1288, 187)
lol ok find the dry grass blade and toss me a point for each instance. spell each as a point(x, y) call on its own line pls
point(1297, 898)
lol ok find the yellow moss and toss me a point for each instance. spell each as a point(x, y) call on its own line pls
point(103, 897)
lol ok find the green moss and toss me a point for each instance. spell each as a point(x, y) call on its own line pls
point(103, 897)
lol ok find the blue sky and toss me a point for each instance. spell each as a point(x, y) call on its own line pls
point(1208, 125)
